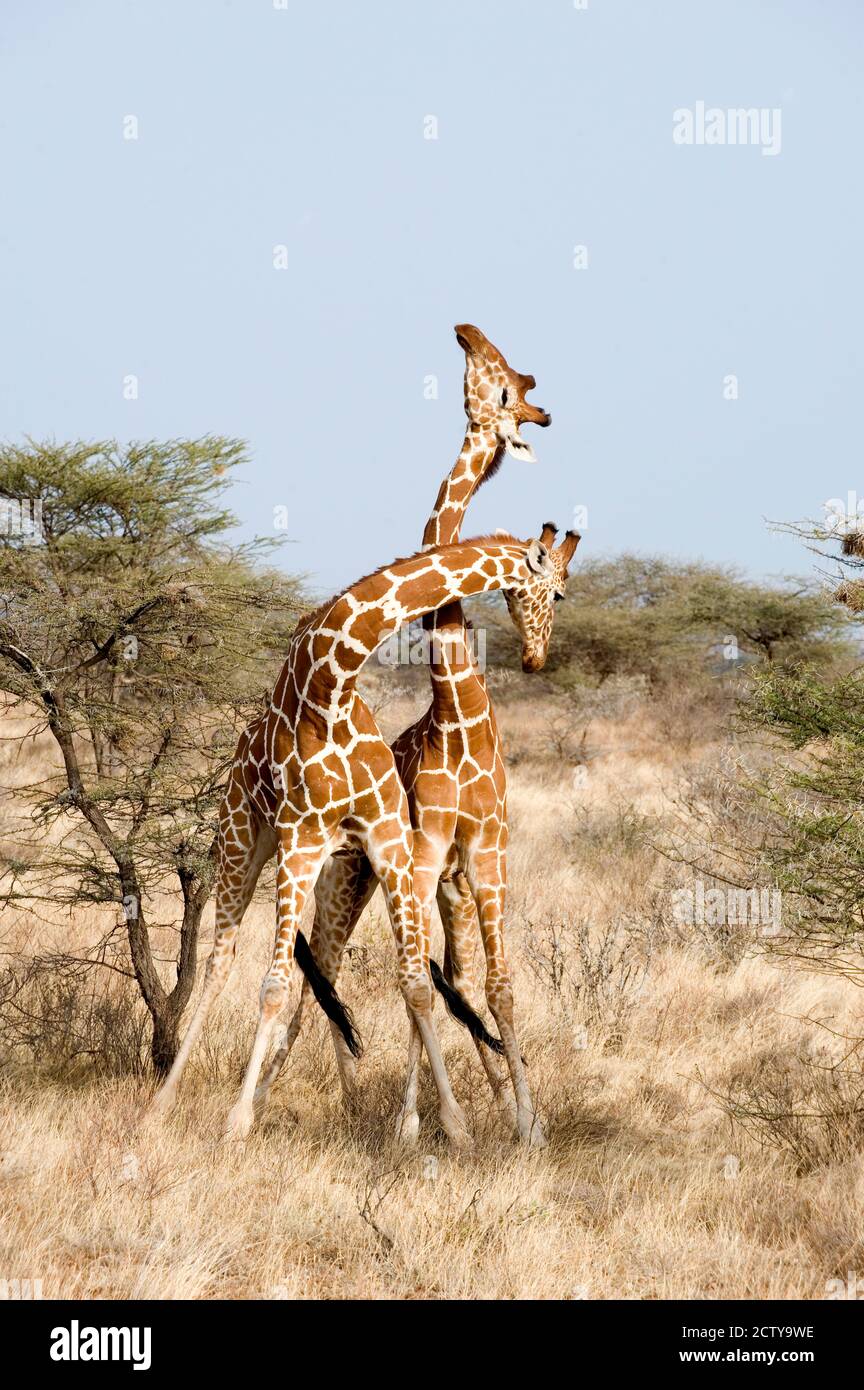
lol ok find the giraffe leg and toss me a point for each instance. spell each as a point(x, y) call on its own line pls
point(298, 863)
point(408, 1119)
point(460, 922)
point(486, 876)
point(245, 845)
point(353, 907)
point(411, 924)
point(344, 887)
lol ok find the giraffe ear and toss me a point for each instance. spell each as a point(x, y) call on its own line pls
point(538, 557)
point(514, 443)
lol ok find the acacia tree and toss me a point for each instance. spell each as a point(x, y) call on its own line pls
point(789, 619)
point(141, 642)
point(813, 800)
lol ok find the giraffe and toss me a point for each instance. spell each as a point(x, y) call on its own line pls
point(313, 775)
point(451, 767)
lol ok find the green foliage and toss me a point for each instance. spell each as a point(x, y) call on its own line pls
point(143, 642)
point(813, 797)
point(813, 804)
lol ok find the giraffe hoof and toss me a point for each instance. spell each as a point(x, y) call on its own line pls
point(460, 1140)
point(238, 1125)
point(351, 1104)
point(161, 1105)
point(408, 1129)
point(348, 1078)
point(457, 1131)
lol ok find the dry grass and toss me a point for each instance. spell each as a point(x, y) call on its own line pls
point(648, 1188)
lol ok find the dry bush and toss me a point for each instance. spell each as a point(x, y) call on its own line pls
point(61, 1020)
point(570, 718)
point(686, 711)
point(805, 1105)
point(714, 835)
point(607, 833)
point(595, 973)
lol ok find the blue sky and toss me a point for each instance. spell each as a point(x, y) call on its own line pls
point(303, 127)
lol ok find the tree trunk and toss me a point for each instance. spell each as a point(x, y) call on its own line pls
point(168, 1011)
point(164, 1044)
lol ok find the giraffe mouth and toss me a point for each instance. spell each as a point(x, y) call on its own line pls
point(532, 661)
point(514, 443)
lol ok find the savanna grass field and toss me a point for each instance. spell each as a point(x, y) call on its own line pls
point(636, 1029)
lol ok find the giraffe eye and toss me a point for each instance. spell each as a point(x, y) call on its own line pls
point(558, 597)
point(504, 396)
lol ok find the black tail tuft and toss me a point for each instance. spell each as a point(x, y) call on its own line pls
point(326, 995)
point(461, 1010)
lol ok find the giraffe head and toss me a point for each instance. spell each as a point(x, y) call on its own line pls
point(495, 394)
point(532, 604)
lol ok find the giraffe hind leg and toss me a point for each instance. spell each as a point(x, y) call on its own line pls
point(344, 887)
point(456, 983)
point(488, 886)
point(410, 907)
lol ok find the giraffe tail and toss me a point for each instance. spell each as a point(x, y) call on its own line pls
point(461, 1010)
point(326, 995)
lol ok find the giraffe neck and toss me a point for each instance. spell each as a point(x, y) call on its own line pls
point(329, 649)
point(449, 654)
point(478, 460)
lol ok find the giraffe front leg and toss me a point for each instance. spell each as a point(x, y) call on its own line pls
point(485, 870)
point(461, 925)
point(298, 865)
point(244, 848)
